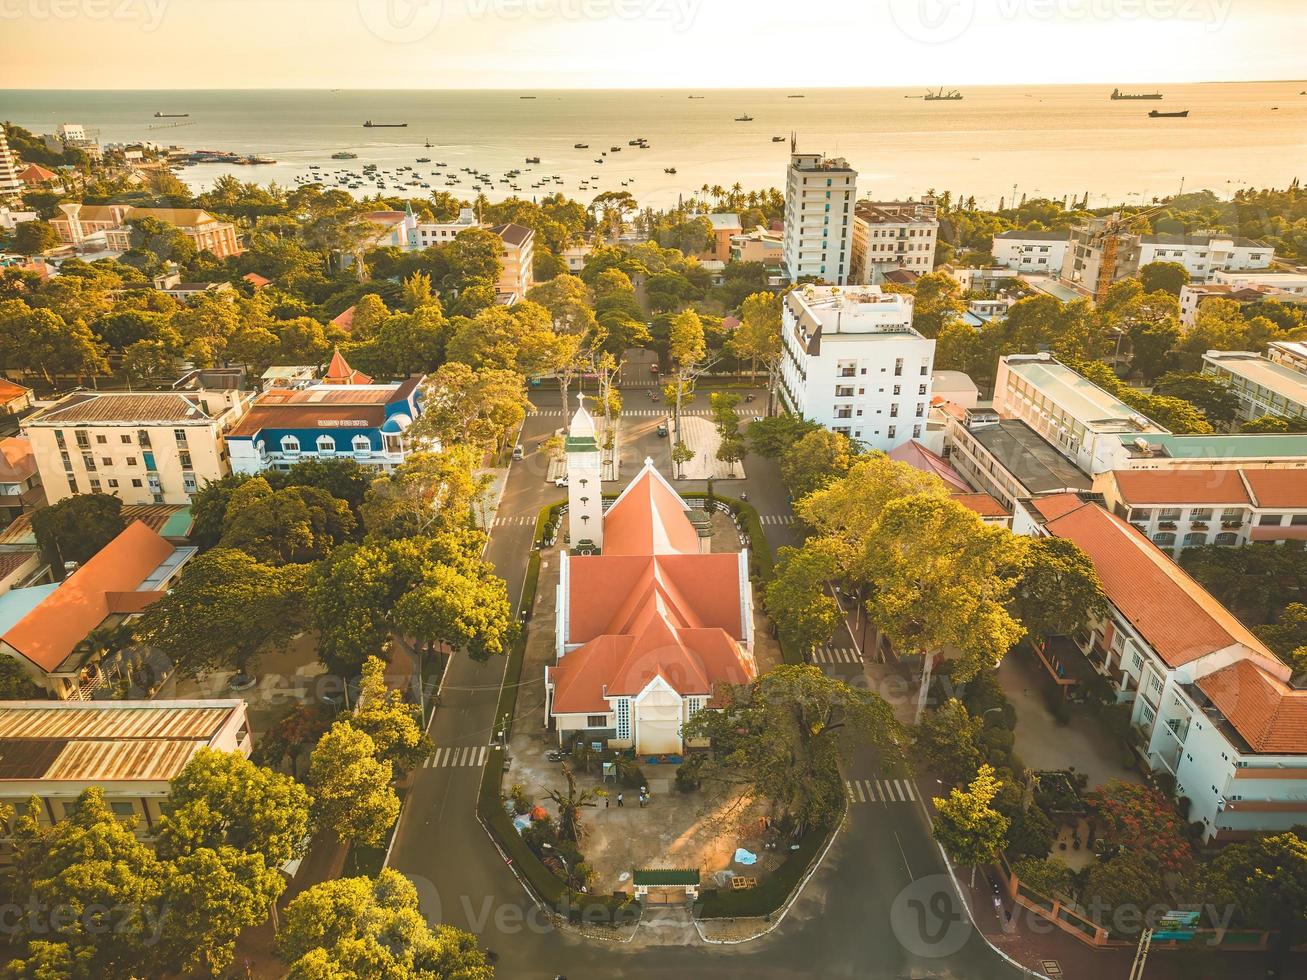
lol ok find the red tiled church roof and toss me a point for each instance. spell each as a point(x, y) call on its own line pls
point(1269, 714)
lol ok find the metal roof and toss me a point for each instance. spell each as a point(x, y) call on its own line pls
point(666, 876)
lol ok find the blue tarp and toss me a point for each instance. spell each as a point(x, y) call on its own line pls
point(745, 857)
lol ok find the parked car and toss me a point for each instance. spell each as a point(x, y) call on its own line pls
point(561, 481)
point(519, 452)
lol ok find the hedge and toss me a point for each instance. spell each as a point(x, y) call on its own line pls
point(547, 886)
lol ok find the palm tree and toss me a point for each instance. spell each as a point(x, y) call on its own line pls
point(569, 807)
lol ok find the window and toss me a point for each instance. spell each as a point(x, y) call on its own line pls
point(596, 721)
point(921, 389)
point(897, 389)
point(1270, 520)
point(188, 483)
point(290, 445)
point(624, 718)
point(326, 445)
point(1227, 539)
point(1200, 515)
point(1298, 520)
point(101, 440)
point(131, 460)
point(891, 431)
point(137, 483)
point(1195, 540)
point(88, 461)
point(113, 484)
point(898, 367)
point(1140, 515)
point(179, 435)
point(95, 485)
point(122, 808)
point(1155, 684)
point(1164, 539)
point(362, 444)
point(126, 438)
point(106, 461)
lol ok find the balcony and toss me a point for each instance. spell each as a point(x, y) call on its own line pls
point(1166, 525)
point(1179, 727)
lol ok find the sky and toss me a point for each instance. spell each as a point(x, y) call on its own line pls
point(702, 44)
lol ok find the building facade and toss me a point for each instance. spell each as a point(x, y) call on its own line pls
point(1040, 252)
point(145, 448)
point(1263, 386)
point(20, 480)
point(1209, 703)
point(1203, 255)
point(852, 362)
point(518, 259)
point(890, 236)
point(80, 221)
point(819, 196)
point(11, 185)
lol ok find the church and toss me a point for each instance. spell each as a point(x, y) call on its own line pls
point(651, 627)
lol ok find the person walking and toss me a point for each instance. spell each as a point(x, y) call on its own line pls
point(619, 801)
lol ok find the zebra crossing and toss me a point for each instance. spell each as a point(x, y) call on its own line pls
point(880, 791)
point(515, 521)
point(781, 519)
point(456, 755)
point(627, 413)
point(836, 655)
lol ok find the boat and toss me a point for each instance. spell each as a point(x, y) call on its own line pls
point(369, 124)
point(744, 118)
point(778, 139)
point(427, 144)
point(580, 146)
point(1184, 114)
point(952, 95)
point(669, 170)
point(532, 159)
point(796, 96)
point(1118, 95)
point(700, 96)
point(172, 115)
point(614, 149)
point(422, 160)
point(526, 96)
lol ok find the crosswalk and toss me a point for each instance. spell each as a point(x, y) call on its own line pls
point(880, 791)
point(456, 755)
point(836, 655)
point(515, 521)
point(627, 413)
point(772, 519)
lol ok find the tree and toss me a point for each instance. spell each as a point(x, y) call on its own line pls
point(35, 238)
point(686, 348)
point(426, 493)
point(358, 927)
point(758, 339)
point(1128, 879)
point(351, 593)
point(482, 407)
point(1166, 277)
point(772, 437)
point(225, 610)
point(43, 342)
point(782, 737)
point(344, 479)
point(946, 742)
point(1049, 876)
point(93, 867)
point(149, 359)
point(814, 461)
point(569, 805)
point(278, 527)
point(352, 795)
point(1288, 633)
point(394, 726)
point(467, 611)
point(209, 508)
point(970, 830)
point(1212, 396)
point(76, 528)
point(797, 599)
point(681, 454)
point(1142, 820)
point(223, 800)
point(938, 302)
point(1058, 591)
point(1265, 881)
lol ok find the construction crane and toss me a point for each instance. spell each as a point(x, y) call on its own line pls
point(1108, 238)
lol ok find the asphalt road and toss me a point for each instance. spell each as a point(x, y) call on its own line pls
point(881, 904)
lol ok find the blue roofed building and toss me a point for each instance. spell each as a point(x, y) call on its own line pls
point(344, 415)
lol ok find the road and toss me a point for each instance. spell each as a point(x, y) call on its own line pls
point(879, 906)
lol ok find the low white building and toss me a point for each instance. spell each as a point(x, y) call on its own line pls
point(424, 234)
point(1194, 295)
point(1031, 251)
point(890, 236)
point(1203, 255)
point(1286, 282)
point(1210, 704)
point(853, 363)
point(1263, 387)
point(9, 220)
point(984, 282)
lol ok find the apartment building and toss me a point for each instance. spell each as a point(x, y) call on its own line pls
point(852, 362)
point(759, 245)
point(1210, 704)
point(1194, 295)
point(1263, 386)
point(1040, 252)
point(11, 185)
point(1290, 353)
point(1081, 419)
point(78, 222)
point(156, 447)
point(424, 234)
point(724, 228)
point(1165, 451)
point(819, 196)
point(20, 480)
point(131, 750)
point(518, 258)
point(1291, 281)
point(890, 236)
point(1203, 255)
point(1193, 508)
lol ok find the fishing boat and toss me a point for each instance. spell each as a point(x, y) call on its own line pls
point(172, 115)
point(952, 95)
point(796, 96)
point(532, 159)
point(580, 146)
point(422, 160)
point(369, 124)
point(344, 155)
point(700, 96)
point(1118, 95)
point(744, 118)
point(778, 139)
point(1184, 114)
point(669, 170)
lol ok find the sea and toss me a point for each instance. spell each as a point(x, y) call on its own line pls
point(995, 143)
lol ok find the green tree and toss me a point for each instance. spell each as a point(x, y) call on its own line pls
point(681, 454)
point(1128, 879)
point(1288, 633)
point(209, 508)
point(394, 726)
point(352, 795)
point(1212, 396)
point(1058, 591)
point(782, 738)
point(970, 830)
point(1265, 881)
point(570, 803)
point(946, 743)
point(797, 598)
point(350, 595)
point(686, 348)
point(35, 238)
point(772, 437)
point(1049, 876)
point(357, 927)
point(938, 302)
point(481, 407)
point(815, 460)
point(223, 800)
point(43, 342)
point(1166, 277)
point(467, 611)
point(428, 492)
point(76, 528)
point(278, 527)
point(758, 339)
point(225, 610)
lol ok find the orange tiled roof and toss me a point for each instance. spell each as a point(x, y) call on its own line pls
point(345, 320)
point(10, 391)
point(51, 631)
point(1175, 615)
point(984, 504)
point(649, 519)
point(1183, 486)
point(17, 463)
point(1270, 715)
point(1277, 488)
point(34, 173)
point(918, 456)
point(340, 373)
point(256, 280)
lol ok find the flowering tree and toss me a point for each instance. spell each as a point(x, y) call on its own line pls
point(1142, 820)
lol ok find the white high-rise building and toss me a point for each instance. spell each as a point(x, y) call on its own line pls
point(819, 196)
point(585, 500)
point(10, 184)
point(854, 364)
